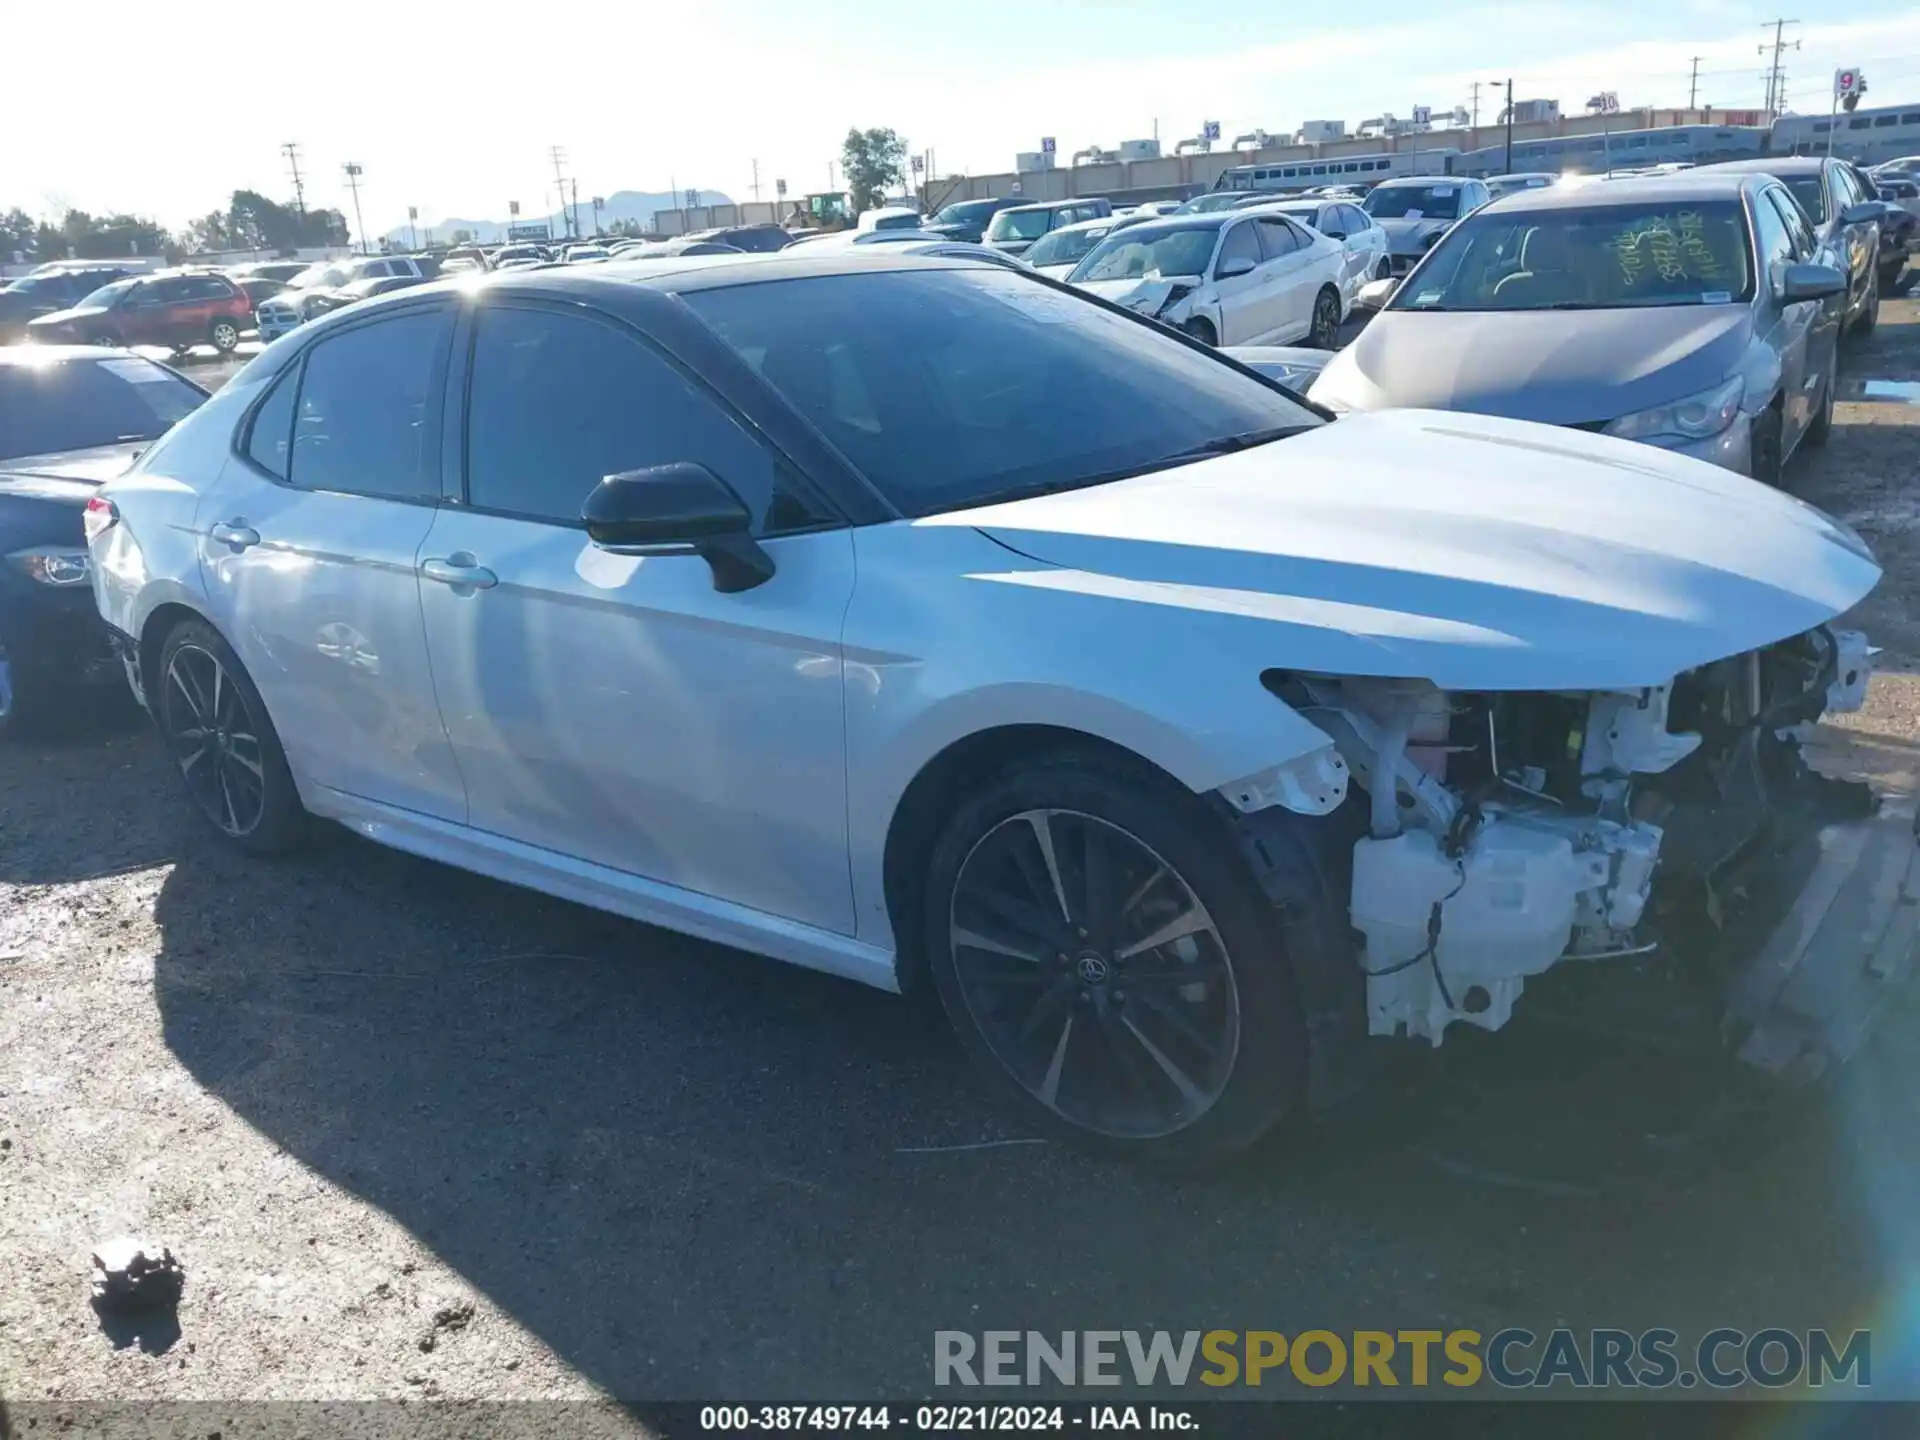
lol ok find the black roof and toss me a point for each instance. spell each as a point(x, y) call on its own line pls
point(1772, 165)
point(1697, 184)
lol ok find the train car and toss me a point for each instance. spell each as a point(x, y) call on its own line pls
point(1621, 150)
point(1866, 136)
point(1357, 170)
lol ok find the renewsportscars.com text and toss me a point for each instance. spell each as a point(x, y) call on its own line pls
point(1723, 1359)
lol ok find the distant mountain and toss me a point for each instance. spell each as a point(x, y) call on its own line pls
point(637, 206)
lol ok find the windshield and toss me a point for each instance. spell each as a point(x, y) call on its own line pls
point(1811, 194)
point(1020, 225)
point(955, 388)
point(1065, 247)
point(1591, 259)
point(1415, 202)
point(76, 404)
point(106, 295)
point(1134, 255)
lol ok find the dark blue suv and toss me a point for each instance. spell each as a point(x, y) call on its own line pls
point(71, 417)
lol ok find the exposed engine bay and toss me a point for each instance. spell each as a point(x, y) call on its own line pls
point(1507, 833)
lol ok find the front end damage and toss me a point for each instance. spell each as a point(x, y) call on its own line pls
point(1507, 834)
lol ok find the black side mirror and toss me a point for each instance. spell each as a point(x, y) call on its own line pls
point(679, 509)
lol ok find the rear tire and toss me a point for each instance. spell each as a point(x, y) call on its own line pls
point(1821, 430)
point(221, 740)
point(1869, 315)
point(1324, 329)
point(224, 336)
point(1201, 330)
point(1181, 1053)
point(1765, 441)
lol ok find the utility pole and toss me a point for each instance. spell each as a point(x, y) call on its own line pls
point(292, 151)
point(559, 180)
point(573, 214)
point(1776, 92)
point(353, 173)
point(1508, 82)
point(1476, 106)
point(1693, 83)
point(756, 181)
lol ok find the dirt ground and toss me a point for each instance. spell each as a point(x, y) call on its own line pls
point(418, 1135)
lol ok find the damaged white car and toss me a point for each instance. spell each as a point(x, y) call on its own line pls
point(916, 620)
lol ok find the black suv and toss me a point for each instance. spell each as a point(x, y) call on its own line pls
point(46, 291)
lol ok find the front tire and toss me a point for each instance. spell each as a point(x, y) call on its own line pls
point(1765, 441)
point(1201, 330)
point(224, 336)
point(1110, 964)
point(222, 742)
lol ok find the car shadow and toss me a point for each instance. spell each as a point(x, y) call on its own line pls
point(104, 746)
point(695, 1173)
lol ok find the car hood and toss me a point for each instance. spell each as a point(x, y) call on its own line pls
point(952, 229)
point(1560, 367)
point(1058, 272)
point(1012, 247)
point(1410, 236)
point(1149, 297)
point(66, 317)
point(1479, 554)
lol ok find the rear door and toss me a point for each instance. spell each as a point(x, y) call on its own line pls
point(146, 315)
point(1289, 293)
point(308, 547)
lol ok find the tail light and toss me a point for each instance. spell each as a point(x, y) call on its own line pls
point(101, 516)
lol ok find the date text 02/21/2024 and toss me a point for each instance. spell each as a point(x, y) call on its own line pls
point(943, 1419)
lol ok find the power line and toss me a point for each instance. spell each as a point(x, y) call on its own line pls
point(292, 151)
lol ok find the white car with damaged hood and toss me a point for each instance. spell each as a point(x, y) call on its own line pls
point(1260, 278)
point(920, 621)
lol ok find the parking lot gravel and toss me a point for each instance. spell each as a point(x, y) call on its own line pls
point(414, 1134)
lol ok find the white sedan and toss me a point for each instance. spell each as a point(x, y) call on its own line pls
point(926, 623)
point(1365, 252)
point(1237, 278)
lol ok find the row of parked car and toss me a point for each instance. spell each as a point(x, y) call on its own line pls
point(894, 610)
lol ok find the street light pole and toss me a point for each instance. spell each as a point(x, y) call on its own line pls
point(353, 183)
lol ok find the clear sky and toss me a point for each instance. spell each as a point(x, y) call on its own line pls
point(453, 107)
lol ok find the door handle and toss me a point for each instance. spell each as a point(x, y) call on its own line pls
point(459, 569)
point(235, 534)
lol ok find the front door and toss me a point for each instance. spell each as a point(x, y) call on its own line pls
point(308, 547)
point(619, 709)
point(1290, 300)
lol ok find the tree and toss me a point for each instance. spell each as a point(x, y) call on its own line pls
point(872, 160)
point(210, 232)
point(17, 232)
point(462, 237)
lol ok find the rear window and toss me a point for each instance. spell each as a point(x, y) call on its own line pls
point(1603, 258)
point(1415, 202)
point(955, 387)
point(74, 404)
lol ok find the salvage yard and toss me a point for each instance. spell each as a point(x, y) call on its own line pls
point(416, 1134)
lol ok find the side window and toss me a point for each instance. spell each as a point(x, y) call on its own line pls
point(1837, 197)
point(1277, 238)
point(205, 287)
point(1796, 222)
point(1240, 244)
point(160, 292)
point(271, 437)
point(1770, 234)
point(559, 402)
point(365, 422)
